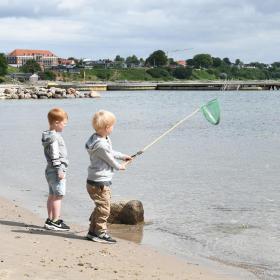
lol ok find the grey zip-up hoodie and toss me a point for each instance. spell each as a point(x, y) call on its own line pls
point(102, 158)
point(55, 150)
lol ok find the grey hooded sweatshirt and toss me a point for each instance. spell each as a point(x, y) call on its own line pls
point(102, 159)
point(55, 150)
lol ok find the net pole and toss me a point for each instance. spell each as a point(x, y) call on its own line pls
point(170, 129)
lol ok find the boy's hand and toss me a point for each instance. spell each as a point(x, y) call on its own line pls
point(61, 175)
point(122, 167)
point(127, 158)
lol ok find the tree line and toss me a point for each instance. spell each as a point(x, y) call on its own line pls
point(159, 66)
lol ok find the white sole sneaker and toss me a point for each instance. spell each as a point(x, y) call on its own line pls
point(99, 240)
point(54, 228)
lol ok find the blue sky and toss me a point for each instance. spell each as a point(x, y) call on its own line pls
point(244, 29)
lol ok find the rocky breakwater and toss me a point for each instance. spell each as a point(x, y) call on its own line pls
point(45, 93)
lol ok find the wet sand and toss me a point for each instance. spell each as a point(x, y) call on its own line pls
point(30, 252)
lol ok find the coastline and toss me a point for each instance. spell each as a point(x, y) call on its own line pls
point(30, 252)
point(57, 90)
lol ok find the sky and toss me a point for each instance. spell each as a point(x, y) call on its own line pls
point(244, 29)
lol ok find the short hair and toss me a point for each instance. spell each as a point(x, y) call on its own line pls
point(57, 114)
point(103, 118)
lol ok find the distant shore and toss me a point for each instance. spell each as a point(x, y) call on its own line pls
point(45, 89)
point(30, 252)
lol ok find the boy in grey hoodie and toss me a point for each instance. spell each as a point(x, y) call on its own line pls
point(100, 172)
point(56, 155)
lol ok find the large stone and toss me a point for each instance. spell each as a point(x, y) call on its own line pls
point(71, 91)
point(10, 91)
point(130, 213)
point(94, 94)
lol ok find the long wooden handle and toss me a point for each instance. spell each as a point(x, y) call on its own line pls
point(165, 133)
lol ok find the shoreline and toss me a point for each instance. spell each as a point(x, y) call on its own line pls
point(57, 90)
point(30, 252)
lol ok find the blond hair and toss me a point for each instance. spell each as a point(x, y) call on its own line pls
point(102, 119)
point(57, 114)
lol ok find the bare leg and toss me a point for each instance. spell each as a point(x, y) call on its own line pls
point(56, 206)
point(49, 207)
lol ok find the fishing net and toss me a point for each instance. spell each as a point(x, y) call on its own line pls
point(211, 111)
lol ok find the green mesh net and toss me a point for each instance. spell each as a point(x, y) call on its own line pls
point(211, 111)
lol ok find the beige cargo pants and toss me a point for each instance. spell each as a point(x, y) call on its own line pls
point(102, 199)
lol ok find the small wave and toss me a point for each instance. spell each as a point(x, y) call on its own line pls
point(229, 209)
point(181, 235)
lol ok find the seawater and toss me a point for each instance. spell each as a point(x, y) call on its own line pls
point(208, 191)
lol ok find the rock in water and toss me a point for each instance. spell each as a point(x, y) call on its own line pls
point(130, 213)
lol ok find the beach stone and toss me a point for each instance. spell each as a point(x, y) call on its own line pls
point(56, 95)
point(10, 91)
point(14, 96)
point(71, 91)
point(49, 94)
point(19, 91)
point(129, 213)
point(94, 94)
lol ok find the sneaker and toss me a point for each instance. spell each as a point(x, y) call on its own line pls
point(59, 225)
point(47, 223)
point(92, 236)
point(102, 238)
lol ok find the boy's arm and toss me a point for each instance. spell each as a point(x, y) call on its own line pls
point(108, 157)
point(118, 155)
point(55, 159)
point(121, 156)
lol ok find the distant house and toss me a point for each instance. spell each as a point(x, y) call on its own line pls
point(102, 63)
point(45, 58)
point(181, 62)
point(64, 61)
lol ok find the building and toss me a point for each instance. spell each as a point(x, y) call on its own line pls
point(64, 61)
point(45, 58)
point(182, 63)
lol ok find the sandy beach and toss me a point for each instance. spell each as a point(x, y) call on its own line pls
point(30, 252)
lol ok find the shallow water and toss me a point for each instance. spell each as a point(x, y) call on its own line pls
point(209, 191)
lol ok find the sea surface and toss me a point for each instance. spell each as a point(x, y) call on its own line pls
point(211, 192)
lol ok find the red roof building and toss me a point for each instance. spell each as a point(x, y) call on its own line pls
point(182, 62)
point(45, 58)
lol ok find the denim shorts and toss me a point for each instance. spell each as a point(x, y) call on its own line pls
point(56, 186)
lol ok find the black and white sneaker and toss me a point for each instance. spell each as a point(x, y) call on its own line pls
point(47, 223)
point(58, 225)
point(102, 238)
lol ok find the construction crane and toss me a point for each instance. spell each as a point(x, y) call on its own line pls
point(173, 51)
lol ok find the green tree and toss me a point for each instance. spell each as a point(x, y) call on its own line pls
point(118, 58)
point(132, 60)
point(157, 59)
point(3, 65)
point(202, 60)
point(217, 62)
point(226, 61)
point(31, 66)
point(190, 62)
point(172, 62)
point(275, 64)
point(257, 65)
point(48, 75)
point(159, 73)
point(182, 73)
point(238, 62)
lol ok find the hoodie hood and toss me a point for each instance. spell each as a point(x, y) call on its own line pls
point(48, 137)
point(94, 142)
